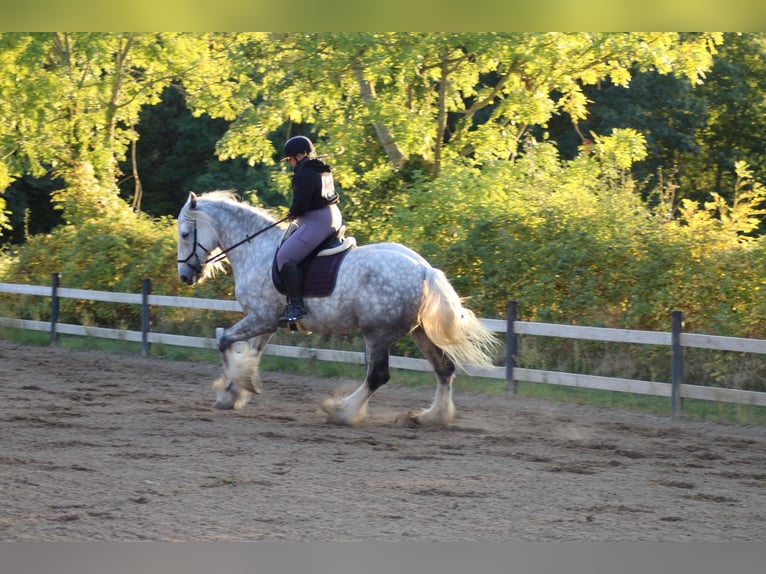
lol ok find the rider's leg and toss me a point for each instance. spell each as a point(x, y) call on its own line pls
point(313, 228)
point(292, 277)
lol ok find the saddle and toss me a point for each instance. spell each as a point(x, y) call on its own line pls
point(320, 267)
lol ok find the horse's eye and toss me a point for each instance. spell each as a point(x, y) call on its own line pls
point(185, 235)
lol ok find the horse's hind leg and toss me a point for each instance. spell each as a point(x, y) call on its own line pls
point(442, 409)
point(352, 409)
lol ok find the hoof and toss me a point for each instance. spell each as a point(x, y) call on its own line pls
point(431, 418)
point(330, 407)
point(413, 419)
point(229, 396)
point(224, 400)
point(335, 409)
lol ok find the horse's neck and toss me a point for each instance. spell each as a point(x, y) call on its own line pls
point(254, 255)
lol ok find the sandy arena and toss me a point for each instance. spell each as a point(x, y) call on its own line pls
point(99, 446)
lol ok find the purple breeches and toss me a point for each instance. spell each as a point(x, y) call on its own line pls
point(314, 227)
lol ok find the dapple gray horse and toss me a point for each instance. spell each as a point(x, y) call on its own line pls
point(384, 291)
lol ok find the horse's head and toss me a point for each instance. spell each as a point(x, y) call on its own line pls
point(197, 239)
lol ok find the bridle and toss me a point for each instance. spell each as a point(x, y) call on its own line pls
point(221, 255)
point(199, 265)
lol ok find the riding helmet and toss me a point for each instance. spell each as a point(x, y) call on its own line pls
point(296, 145)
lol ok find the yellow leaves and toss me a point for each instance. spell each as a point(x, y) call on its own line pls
point(717, 225)
point(620, 76)
point(5, 179)
point(624, 147)
point(576, 104)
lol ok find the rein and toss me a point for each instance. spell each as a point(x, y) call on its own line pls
point(221, 254)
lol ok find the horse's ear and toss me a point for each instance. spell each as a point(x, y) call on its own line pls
point(192, 200)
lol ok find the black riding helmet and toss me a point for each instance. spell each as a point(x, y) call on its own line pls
point(296, 145)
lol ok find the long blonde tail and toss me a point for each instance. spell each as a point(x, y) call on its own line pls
point(452, 327)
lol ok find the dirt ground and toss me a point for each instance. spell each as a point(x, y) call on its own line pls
point(99, 446)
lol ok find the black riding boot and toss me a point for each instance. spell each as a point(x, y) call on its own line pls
point(292, 277)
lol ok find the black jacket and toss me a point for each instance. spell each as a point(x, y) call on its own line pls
point(313, 187)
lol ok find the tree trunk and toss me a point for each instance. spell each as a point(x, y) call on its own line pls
point(138, 189)
point(385, 136)
point(441, 128)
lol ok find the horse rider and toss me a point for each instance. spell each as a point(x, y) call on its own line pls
point(315, 208)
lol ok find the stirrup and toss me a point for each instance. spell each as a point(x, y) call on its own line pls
point(293, 312)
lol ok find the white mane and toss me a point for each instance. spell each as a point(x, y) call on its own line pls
point(225, 196)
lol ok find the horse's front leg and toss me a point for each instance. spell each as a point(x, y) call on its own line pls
point(241, 354)
point(248, 327)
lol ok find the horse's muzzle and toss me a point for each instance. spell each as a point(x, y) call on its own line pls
point(187, 277)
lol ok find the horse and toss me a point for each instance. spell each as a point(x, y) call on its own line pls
point(384, 291)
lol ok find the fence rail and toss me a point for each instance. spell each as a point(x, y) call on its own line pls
point(512, 328)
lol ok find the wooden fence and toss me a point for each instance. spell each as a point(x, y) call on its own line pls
point(676, 390)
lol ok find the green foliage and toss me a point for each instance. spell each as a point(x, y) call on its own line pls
point(74, 99)
point(718, 274)
point(175, 154)
point(574, 244)
point(735, 114)
point(70, 101)
point(113, 251)
point(695, 132)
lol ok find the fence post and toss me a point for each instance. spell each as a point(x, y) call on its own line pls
point(676, 364)
point(146, 289)
point(511, 347)
point(54, 307)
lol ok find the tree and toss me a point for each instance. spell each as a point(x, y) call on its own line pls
point(71, 101)
point(735, 129)
point(175, 154)
point(436, 96)
point(695, 132)
point(667, 110)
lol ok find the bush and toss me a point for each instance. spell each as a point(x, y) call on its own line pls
point(111, 252)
